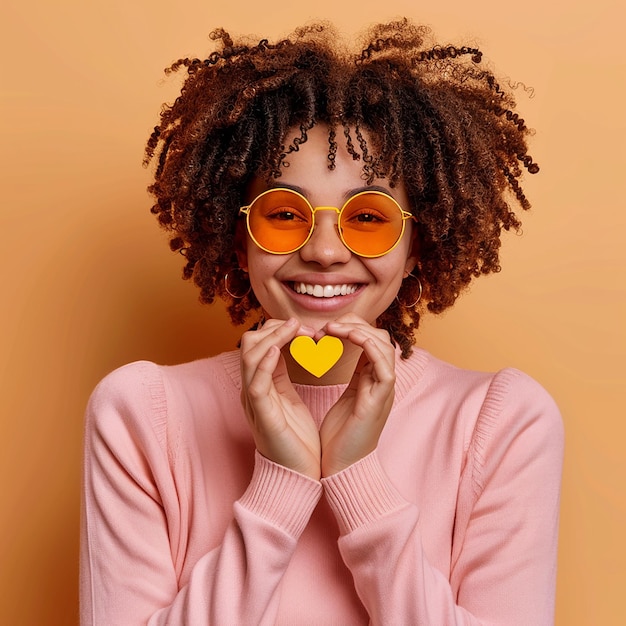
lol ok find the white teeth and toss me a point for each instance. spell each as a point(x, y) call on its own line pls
point(324, 291)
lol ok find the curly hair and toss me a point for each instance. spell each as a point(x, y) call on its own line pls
point(425, 115)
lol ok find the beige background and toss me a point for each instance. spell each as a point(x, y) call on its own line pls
point(88, 283)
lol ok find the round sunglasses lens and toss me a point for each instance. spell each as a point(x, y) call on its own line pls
point(371, 223)
point(280, 220)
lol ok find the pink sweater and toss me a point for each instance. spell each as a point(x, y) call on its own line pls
point(452, 520)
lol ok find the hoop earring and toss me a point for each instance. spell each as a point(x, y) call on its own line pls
point(419, 295)
point(244, 277)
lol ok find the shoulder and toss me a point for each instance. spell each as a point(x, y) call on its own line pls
point(488, 407)
point(519, 400)
point(142, 396)
point(423, 376)
point(146, 381)
point(490, 393)
point(519, 424)
point(125, 384)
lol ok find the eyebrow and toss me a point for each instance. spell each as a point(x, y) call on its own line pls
point(346, 196)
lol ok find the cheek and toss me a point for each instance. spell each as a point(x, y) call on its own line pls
point(261, 268)
point(390, 270)
point(257, 271)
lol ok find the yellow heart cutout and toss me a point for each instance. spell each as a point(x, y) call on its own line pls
point(316, 358)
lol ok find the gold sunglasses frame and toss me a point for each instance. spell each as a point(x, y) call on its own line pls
point(406, 215)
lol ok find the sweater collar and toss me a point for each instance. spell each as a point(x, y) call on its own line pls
point(319, 398)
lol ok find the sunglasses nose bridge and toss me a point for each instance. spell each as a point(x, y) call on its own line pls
point(325, 243)
point(314, 210)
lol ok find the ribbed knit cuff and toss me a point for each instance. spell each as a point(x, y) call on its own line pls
point(284, 498)
point(361, 493)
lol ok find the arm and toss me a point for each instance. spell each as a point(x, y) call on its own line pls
point(504, 549)
point(128, 539)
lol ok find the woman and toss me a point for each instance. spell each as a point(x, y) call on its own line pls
point(335, 197)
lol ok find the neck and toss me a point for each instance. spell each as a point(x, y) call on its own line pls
point(340, 374)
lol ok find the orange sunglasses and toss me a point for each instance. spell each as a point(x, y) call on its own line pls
point(370, 224)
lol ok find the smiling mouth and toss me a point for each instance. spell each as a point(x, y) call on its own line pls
point(324, 291)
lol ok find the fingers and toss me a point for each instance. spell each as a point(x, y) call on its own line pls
point(375, 343)
point(260, 384)
point(372, 387)
point(343, 326)
point(260, 355)
point(281, 425)
point(256, 344)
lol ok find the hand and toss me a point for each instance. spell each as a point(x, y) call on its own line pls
point(282, 426)
point(352, 427)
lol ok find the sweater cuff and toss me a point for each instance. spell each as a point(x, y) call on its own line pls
point(361, 494)
point(282, 497)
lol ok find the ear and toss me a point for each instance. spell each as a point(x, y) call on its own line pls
point(413, 258)
point(241, 245)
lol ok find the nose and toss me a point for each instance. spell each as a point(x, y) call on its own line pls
point(325, 246)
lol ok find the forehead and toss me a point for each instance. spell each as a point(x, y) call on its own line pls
point(307, 170)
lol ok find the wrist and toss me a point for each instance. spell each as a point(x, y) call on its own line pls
point(293, 463)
